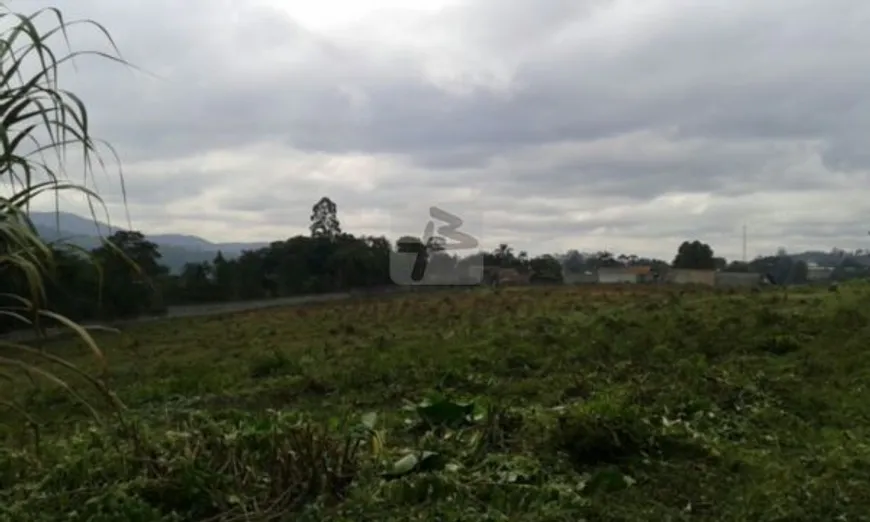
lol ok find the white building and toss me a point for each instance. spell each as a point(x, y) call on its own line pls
point(617, 275)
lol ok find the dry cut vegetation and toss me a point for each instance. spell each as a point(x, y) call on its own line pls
point(520, 404)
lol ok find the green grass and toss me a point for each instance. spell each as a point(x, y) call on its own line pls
point(524, 404)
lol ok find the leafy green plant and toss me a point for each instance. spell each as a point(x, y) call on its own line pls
point(41, 123)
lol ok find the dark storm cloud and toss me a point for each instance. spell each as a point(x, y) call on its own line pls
point(687, 77)
point(746, 73)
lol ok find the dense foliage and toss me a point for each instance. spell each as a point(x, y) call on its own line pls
point(547, 403)
point(328, 260)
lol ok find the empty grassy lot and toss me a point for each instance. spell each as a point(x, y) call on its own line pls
point(538, 404)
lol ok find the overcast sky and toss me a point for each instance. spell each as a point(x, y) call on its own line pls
point(548, 124)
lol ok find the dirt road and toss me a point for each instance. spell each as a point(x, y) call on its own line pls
point(239, 306)
point(197, 311)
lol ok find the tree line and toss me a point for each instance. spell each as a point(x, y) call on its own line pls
point(124, 277)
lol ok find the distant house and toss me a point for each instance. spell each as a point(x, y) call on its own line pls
point(618, 275)
point(691, 276)
point(644, 273)
point(512, 276)
point(818, 273)
point(737, 279)
point(507, 276)
point(579, 278)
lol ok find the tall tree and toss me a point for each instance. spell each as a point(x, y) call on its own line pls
point(503, 256)
point(546, 268)
point(324, 219)
point(197, 281)
point(223, 276)
point(130, 266)
point(605, 259)
point(695, 254)
point(780, 269)
point(574, 262)
point(142, 252)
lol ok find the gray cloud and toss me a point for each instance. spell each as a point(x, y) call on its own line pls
point(608, 108)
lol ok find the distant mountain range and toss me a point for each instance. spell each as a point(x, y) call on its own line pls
point(177, 249)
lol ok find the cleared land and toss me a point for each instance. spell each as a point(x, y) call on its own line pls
point(537, 404)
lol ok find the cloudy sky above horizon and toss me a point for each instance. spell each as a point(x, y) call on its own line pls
point(547, 124)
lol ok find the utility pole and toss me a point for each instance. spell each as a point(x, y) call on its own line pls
point(744, 243)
